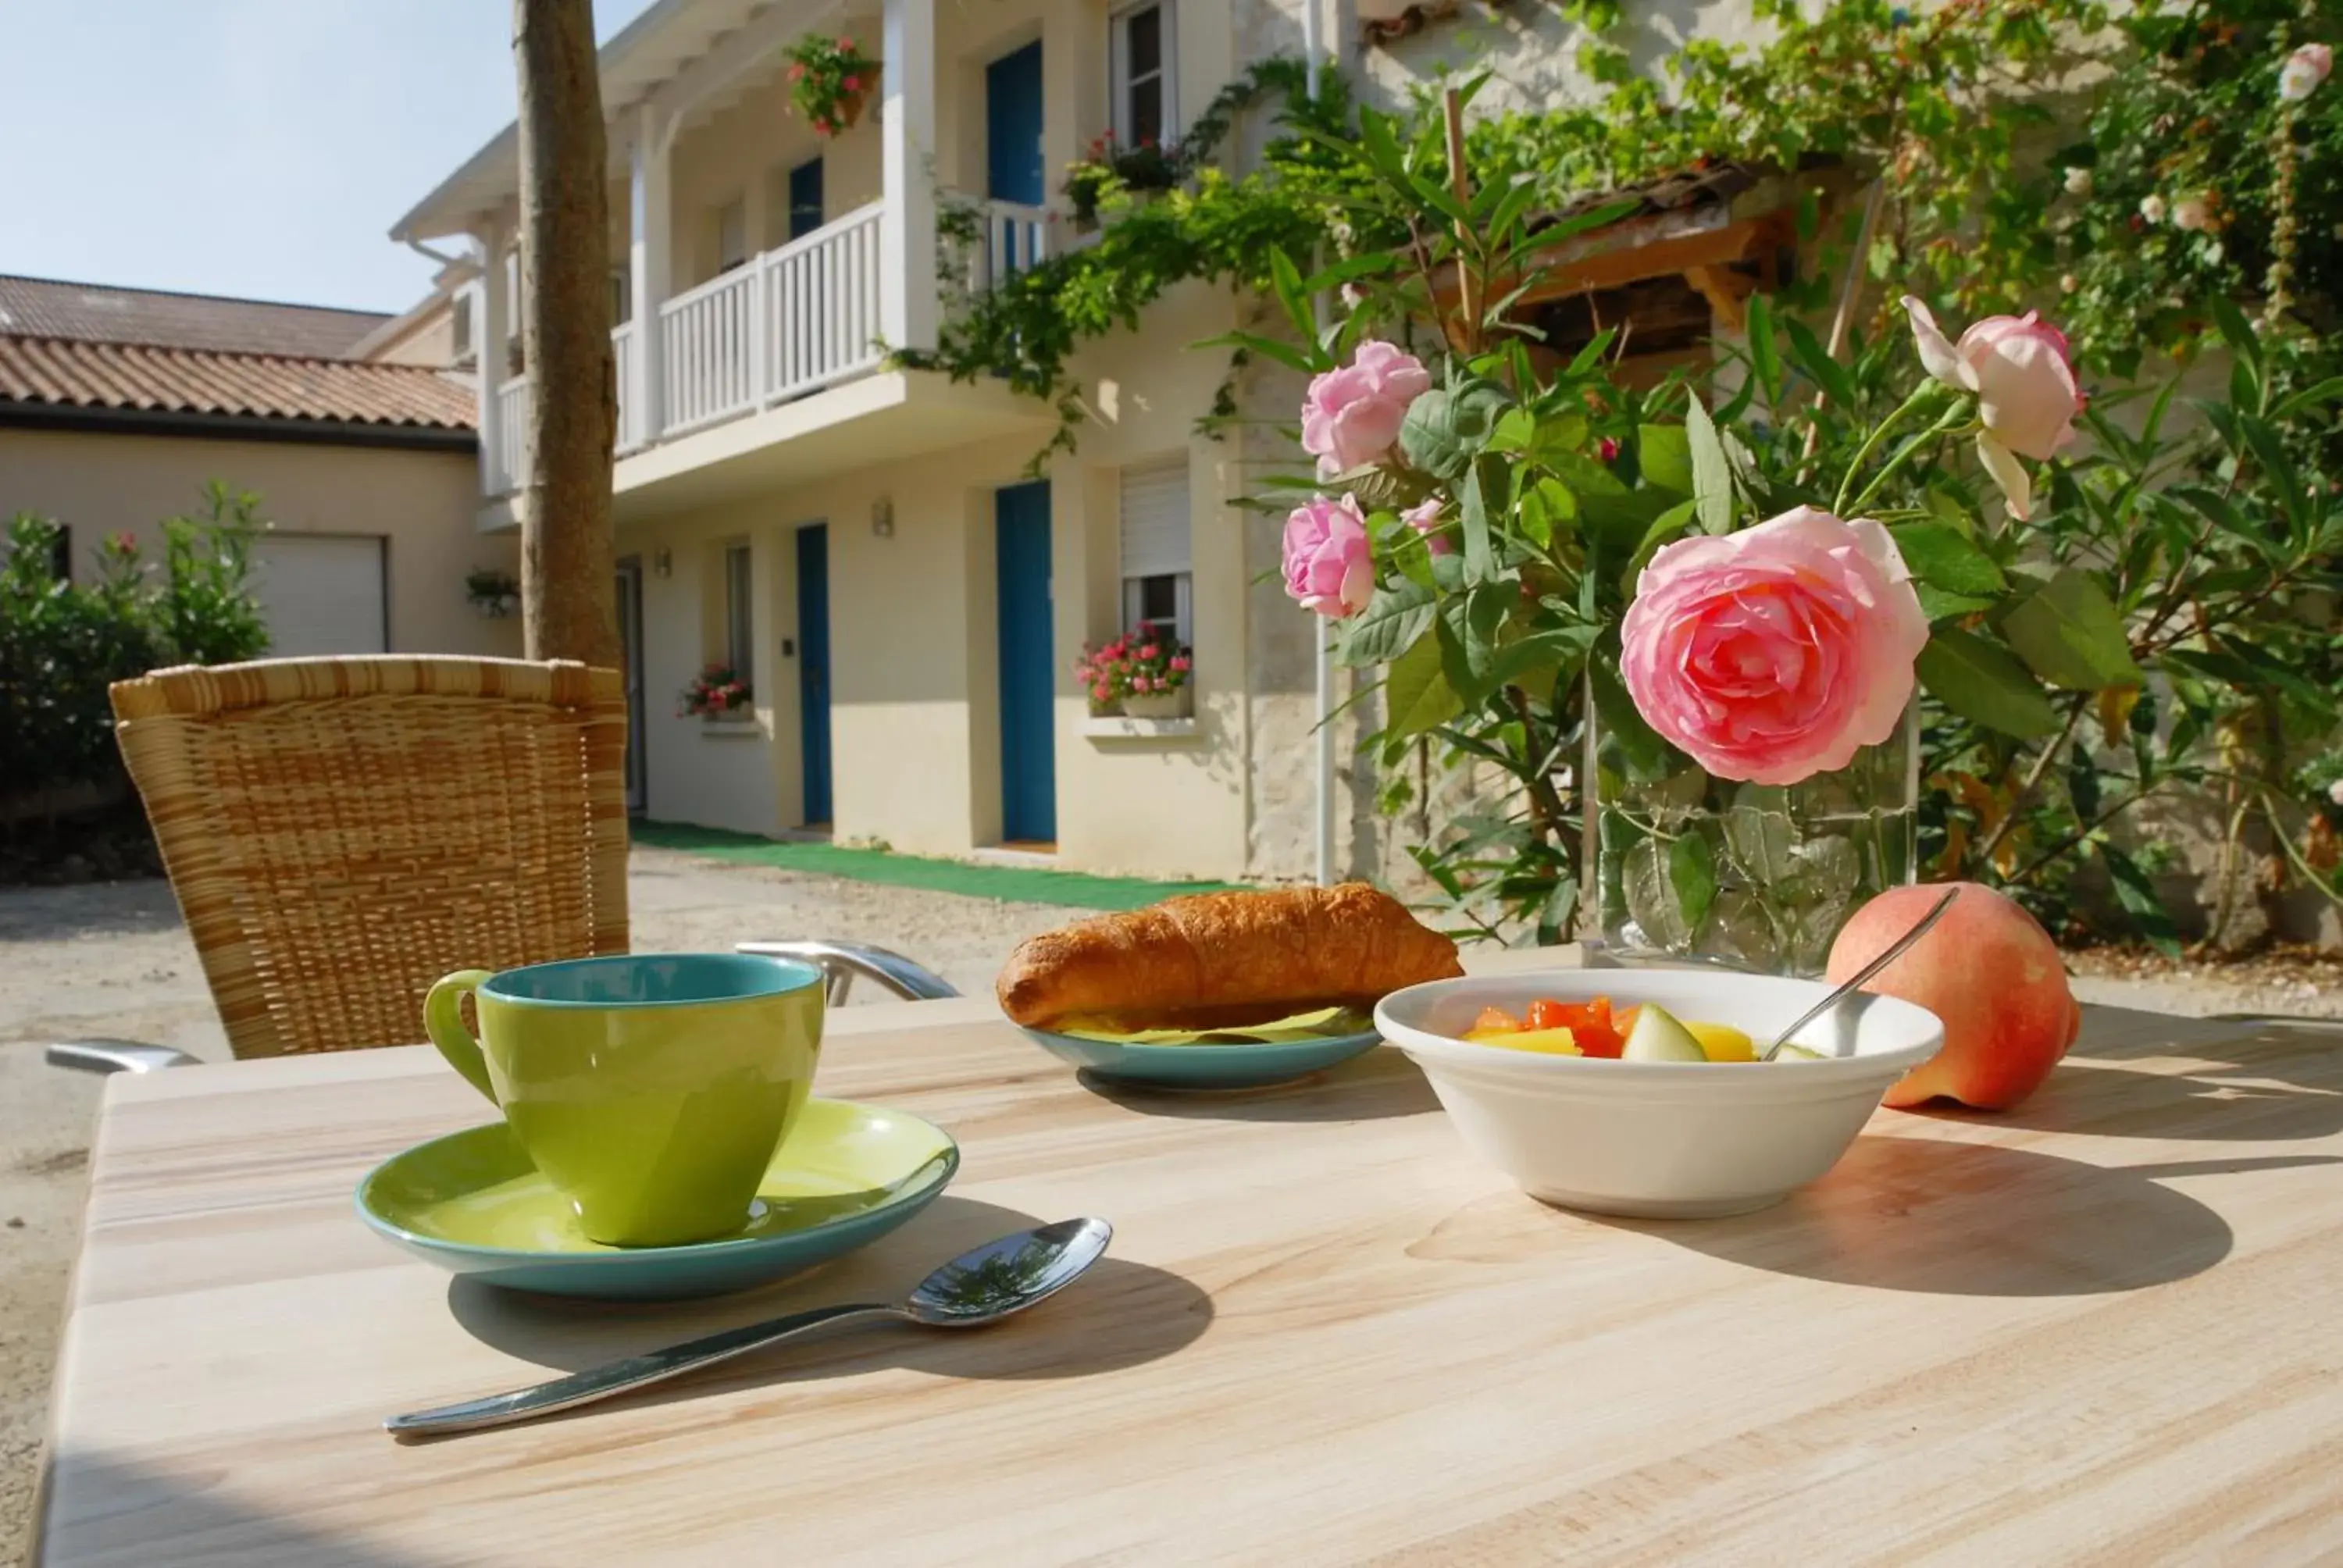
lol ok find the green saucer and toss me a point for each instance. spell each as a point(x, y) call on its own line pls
point(471, 1202)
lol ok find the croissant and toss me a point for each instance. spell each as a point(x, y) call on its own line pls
point(1222, 959)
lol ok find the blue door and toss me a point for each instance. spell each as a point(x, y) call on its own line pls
point(1013, 127)
point(805, 198)
point(813, 670)
point(1029, 768)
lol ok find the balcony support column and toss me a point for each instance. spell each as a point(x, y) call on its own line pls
point(494, 357)
point(906, 228)
point(651, 227)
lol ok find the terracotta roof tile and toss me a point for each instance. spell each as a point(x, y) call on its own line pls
point(99, 313)
point(69, 373)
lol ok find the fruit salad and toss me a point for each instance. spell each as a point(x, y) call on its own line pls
point(1644, 1033)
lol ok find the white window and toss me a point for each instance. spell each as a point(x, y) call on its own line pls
point(1146, 107)
point(732, 234)
point(622, 294)
point(460, 325)
point(739, 636)
point(1157, 585)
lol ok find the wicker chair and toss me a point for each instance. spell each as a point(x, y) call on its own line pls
point(341, 832)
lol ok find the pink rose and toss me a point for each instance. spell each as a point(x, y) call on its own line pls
point(2023, 379)
point(1180, 661)
point(2304, 70)
point(1351, 416)
point(1773, 654)
point(1426, 520)
point(1149, 651)
point(1328, 566)
point(1608, 450)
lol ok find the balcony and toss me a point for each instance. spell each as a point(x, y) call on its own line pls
point(793, 322)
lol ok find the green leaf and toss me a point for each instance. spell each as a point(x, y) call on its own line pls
point(2069, 633)
point(2135, 889)
point(1469, 648)
point(1394, 620)
point(1416, 695)
point(1446, 428)
point(1664, 454)
point(1765, 354)
point(1712, 475)
point(1641, 749)
point(2325, 392)
point(1816, 362)
point(1692, 869)
point(1515, 431)
point(1939, 605)
point(2275, 462)
point(1942, 556)
point(2236, 330)
point(1482, 502)
point(1307, 361)
point(1287, 279)
point(1985, 685)
point(1664, 528)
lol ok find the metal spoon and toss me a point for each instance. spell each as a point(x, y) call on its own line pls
point(970, 1292)
point(1895, 950)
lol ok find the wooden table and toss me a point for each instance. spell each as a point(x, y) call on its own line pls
point(2100, 1331)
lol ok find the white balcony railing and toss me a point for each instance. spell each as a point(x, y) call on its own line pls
point(1015, 237)
point(512, 434)
point(789, 322)
point(624, 348)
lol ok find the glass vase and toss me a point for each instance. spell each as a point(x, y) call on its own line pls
point(1750, 876)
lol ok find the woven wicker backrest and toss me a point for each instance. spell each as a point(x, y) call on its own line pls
point(341, 832)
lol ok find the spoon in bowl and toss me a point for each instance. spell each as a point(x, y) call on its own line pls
point(972, 1291)
point(1895, 950)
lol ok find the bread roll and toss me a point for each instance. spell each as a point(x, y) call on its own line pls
point(1221, 960)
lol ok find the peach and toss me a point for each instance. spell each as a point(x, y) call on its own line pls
point(1990, 972)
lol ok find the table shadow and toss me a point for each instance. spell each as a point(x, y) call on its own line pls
point(2262, 1082)
point(1381, 1083)
point(1118, 1314)
point(94, 1506)
point(1971, 1220)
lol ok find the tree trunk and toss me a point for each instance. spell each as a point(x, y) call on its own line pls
point(567, 573)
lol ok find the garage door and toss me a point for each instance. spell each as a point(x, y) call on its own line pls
point(321, 594)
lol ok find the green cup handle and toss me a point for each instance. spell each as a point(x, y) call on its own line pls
point(443, 1020)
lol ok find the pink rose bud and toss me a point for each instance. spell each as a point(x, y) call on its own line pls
point(2023, 379)
point(1774, 654)
point(1426, 520)
point(2304, 70)
point(1328, 566)
point(846, 44)
point(1608, 449)
point(1351, 416)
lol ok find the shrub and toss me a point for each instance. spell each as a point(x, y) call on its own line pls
point(62, 643)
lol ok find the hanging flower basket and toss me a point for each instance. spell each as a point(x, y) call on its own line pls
point(830, 80)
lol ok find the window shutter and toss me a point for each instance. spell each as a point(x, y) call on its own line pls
point(1155, 518)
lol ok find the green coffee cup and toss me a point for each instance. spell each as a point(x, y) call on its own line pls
point(652, 1089)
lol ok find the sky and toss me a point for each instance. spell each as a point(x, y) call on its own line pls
point(261, 148)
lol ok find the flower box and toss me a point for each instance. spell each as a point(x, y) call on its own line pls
point(1179, 704)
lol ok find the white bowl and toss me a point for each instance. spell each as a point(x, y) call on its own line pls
point(1660, 1138)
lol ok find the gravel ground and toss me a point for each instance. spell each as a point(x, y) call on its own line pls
point(114, 961)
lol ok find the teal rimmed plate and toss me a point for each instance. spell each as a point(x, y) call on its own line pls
point(472, 1203)
point(1249, 1064)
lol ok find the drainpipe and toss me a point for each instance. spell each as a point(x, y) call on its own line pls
point(1325, 732)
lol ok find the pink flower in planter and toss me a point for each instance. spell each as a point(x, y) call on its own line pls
point(821, 127)
point(1426, 520)
point(1351, 415)
point(2023, 379)
point(1180, 661)
point(1102, 692)
point(1774, 654)
point(853, 84)
point(845, 45)
point(1328, 566)
point(1149, 651)
point(2304, 70)
point(797, 71)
